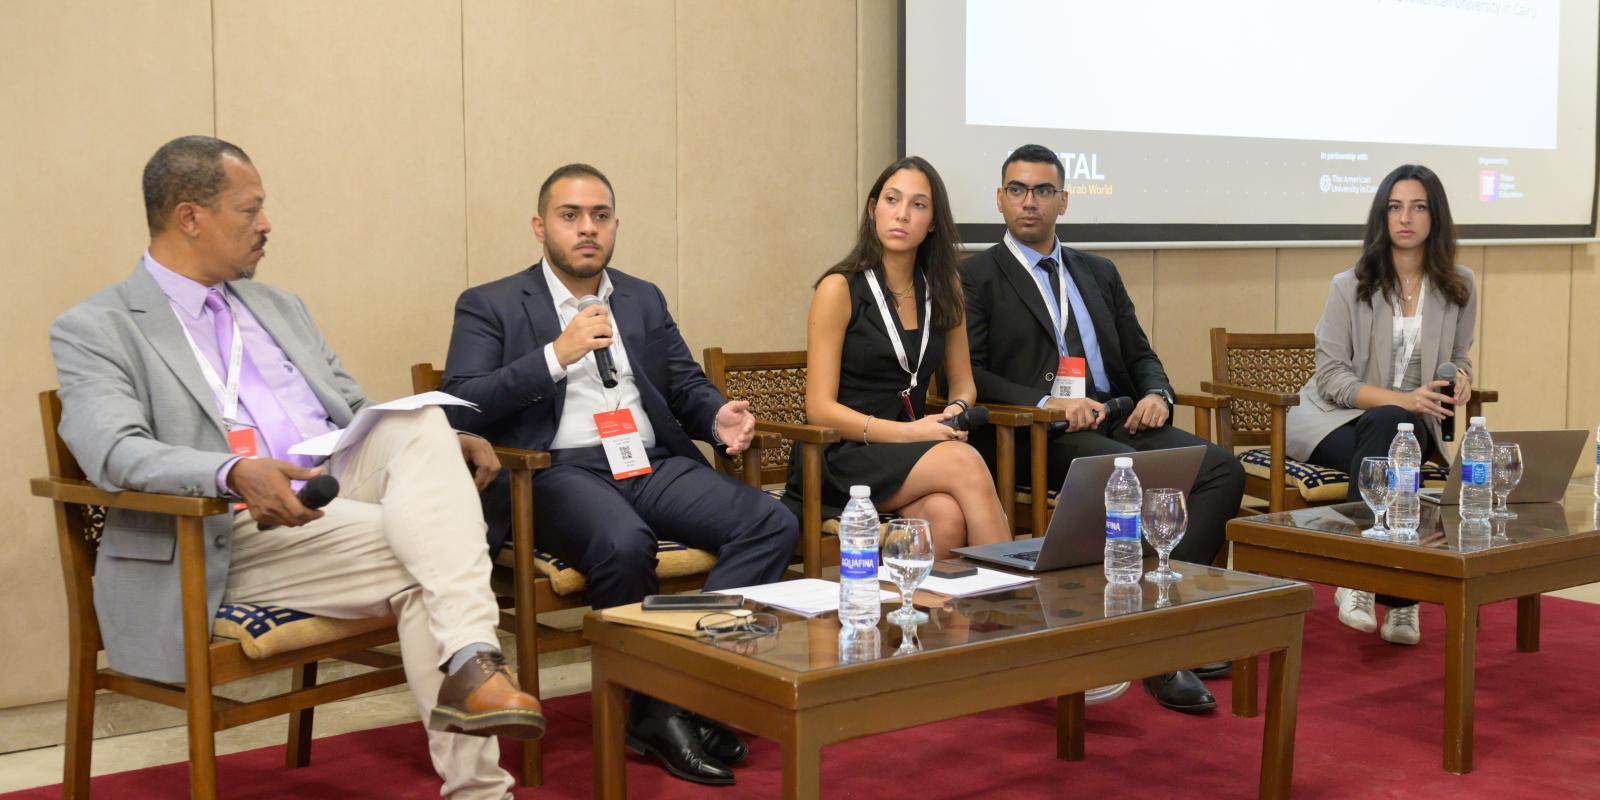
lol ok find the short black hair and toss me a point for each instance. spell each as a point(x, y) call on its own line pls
point(572, 171)
point(1035, 154)
point(187, 169)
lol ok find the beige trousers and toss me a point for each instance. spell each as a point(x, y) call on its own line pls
point(406, 537)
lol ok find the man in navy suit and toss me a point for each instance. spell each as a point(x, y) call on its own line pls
point(530, 349)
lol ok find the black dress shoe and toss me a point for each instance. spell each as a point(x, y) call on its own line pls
point(1218, 669)
point(674, 740)
point(719, 741)
point(1180, 691)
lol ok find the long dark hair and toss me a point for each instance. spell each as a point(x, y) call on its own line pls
point(1375, 269)
point(936, 256)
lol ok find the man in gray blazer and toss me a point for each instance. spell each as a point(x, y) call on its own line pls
point(190, 378)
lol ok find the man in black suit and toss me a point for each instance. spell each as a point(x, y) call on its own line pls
point(532, 351)
point(1024, 353)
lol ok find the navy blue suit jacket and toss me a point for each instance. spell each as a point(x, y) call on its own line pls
point(496, 360)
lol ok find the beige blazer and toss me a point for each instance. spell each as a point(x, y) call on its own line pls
point(1355, 346)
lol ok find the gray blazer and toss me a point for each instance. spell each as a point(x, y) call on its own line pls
point(137, 415)
point(1355, 345)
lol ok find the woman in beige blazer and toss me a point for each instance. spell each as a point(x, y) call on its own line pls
point(1404, 309)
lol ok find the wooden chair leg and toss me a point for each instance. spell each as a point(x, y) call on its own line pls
point(79, 742)
point(298, 751)
point(527, 616)
point(197, 659)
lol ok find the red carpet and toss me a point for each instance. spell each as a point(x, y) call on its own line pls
point(1370, 724)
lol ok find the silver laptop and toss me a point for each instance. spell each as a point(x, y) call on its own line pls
point(1076, 533)
point(1548, 461)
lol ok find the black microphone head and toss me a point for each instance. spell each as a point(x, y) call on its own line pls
point(589, 300)
point(319, 491)
point(977, 417)
point(1446, 372)
point(1118, 407)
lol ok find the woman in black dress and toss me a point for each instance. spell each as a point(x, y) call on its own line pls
point(882, 321)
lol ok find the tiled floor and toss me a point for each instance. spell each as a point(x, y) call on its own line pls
point(38, 767)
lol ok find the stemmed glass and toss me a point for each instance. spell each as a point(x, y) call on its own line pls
point(1165, 518)
point(1373, 481)
point(1507, 474)
point(908, 555)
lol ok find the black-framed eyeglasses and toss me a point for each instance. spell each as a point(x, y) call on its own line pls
point(1044, 191)
point(737, 625)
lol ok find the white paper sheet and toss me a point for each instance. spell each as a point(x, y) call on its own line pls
point(807, 597)
point(987, 580)
point(333, 441)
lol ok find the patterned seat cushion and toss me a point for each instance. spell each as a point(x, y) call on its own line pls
point(265, 631)
point(673, 560)
point(1319, 484)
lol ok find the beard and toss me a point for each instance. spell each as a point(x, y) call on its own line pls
point(559, 260)
point(248, 271)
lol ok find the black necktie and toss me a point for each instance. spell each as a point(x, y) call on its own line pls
point(1074, 339)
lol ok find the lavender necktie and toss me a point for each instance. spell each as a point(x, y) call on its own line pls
point(276, 433)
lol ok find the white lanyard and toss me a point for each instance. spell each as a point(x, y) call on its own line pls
point(1407, 347)
point(227, 393)
point(894, 336)
point(1062, 307)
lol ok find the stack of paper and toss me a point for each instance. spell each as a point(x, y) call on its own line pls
point(807, 597)
point(987, 580)
point(333, 441)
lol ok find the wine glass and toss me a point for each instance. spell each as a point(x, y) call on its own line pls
point(1507, 474)
point(1165, 518)
point(1373, 481)
point(908, 555)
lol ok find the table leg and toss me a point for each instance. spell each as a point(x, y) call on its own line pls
point(1069, 727)
point(1277, 737)
point(802, 762)
point(1460, 654)
point(1528, 623)
point(610, 712)
point(1244, 686)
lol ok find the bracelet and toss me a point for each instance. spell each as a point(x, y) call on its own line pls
point(864, 424)
point(960, 402)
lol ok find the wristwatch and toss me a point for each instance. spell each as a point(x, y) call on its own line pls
point(1165, 395)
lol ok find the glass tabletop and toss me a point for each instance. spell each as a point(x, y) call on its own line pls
point(1442, 527)
point(1057, 599)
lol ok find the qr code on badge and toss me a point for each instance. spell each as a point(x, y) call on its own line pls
point(624, 452)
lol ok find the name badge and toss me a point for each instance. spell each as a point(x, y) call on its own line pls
point(242, 442)
point(1071, 378)
point(623, 445)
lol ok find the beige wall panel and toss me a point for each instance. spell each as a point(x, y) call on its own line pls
point(537, 97)
point(86, 106)
point(1304, 275)
point(352, 112)
point(1583, 362)
point(1525, 335)
point(1197, 290)
point(877, 90)
point(766, 165)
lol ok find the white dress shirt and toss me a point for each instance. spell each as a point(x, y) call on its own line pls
point(586, 396)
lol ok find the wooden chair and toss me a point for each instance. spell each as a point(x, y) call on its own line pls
point(1263, 373)
point(774, 383)
point(209, 661)
point(541, 583)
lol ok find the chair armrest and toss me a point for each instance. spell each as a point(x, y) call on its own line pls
point(1257, 395)
point(513, 458)
point(814, 434)
point(1010, 419)
point(1039, 414)
point(1485, 395)
point(86, 493)
point(1202, 400)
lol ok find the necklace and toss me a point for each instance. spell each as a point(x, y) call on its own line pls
point(901, 295)
point(1410, 293)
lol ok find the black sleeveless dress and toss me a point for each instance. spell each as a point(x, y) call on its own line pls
point(870, 381)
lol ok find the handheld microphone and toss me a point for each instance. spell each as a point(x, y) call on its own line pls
point(316, 493)
point(1447, 426)
point(971, 419)
point(1116, 410)
point(602, 357)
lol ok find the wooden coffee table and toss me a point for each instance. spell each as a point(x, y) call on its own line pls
point(1053, 638)
point(1549, 546)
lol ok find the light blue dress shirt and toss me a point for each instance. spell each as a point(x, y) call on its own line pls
point(1080, 312)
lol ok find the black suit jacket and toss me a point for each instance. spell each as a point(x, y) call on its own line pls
point(496, 360)
point(1014, 352)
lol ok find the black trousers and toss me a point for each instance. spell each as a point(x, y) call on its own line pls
point(1369, 436)
point(1213, 500)
point(608, 528)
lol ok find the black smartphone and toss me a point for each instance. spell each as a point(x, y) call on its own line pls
point(951, 568)
point(692, 602)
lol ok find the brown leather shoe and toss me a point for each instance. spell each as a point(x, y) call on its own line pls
point(482, 699)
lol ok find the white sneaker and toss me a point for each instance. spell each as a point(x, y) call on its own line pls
point(1355, 609)
point(1400, 626)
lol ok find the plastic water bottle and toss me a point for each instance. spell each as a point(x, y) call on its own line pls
point(859, 644)
point(859, 596)
point(1124, 561)
point(1405, 458)
point(1477, 471)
